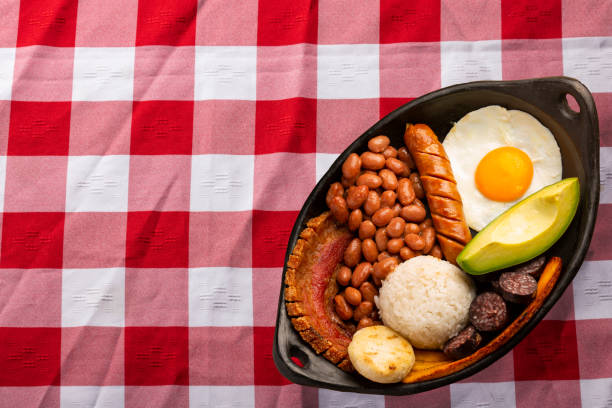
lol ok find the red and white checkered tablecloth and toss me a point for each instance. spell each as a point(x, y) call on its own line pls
point(154, 155)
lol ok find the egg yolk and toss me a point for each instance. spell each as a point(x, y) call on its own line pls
point(504, 174)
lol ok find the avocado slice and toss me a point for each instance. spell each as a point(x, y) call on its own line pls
point(524, 231)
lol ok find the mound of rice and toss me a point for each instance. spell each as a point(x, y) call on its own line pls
point(426, 300)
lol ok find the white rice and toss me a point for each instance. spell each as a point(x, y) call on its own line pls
point(426, 300)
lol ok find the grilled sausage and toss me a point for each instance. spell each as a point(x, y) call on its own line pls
point(440, 188)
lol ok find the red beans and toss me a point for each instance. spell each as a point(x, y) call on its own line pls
point(405, 192)
point(380, 199)
point(356, 196)
point(351, 166)
point(396, 226)
point(372, 161)
point(382, 217)
point(339, 209)
point(367, 229)
point(378, 144)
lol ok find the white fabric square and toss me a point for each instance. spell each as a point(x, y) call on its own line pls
point(330, 398)
point(465, 61)
point(2, 181)
point(490, 395)
point(205, 396)
point(220, 296)
point(93, 297)
point(596, 393)
point(222, 182)
point(7, 66)
point(97, 183)
point(589, 59)
point(91, 397)
point(605, 174)
point(348, 71)
point(103, 74)
point(224, 72)
point(593, 290)
point(324, 162)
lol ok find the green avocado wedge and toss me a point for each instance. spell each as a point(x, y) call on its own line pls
point(524, 231)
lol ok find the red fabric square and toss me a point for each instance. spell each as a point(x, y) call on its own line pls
point(212, 355)
point(291, 395)
point(92, 355)
point(414, 21)
point(388, 105)
point(9, 20)
point(266, 372)
point(156, 356)
point(269, 194)
point(602, 235)
point(219, 23)
point(549, 352)
point(108, 134)
point(175, 396)
point(266, 282)
point(30, 356)
point(157, 239)
point(558, 394)
point(465, 20)
point(586, 18)
point(400, 77)
point(162, 127)
point(593, 337)
point(156, 297)
point(439, 397)
point(159, 183)
point(32, 240)
point(531, 19)
point(359, 26)
point(94, 239)
point(220, 239)
point(35, 183)
point(287, 72)
point(341, 121)
point(43, 74)
point(31, 297)
point(5, 118)
point(47, 22)
point(163, 22)
point(531, 58)
point(39, 128)
point(164, 73)
point(282, 23)
point(30, 397)
point(603, 101)
point(210, 124)
point(271, 230)
point(287, 125)
point(94, 30)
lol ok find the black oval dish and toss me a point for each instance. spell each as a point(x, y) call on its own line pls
point(578, 137)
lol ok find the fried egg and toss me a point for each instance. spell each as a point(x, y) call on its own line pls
point(498, 158)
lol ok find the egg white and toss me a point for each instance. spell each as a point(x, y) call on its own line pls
point(489, 128)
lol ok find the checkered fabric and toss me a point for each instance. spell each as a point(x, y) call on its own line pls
point(154, 155)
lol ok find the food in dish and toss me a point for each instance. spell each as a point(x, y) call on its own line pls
point(439, 184)
point(524, 231)
point(499, 157)
point(310, 286)
point(380, 354)
point(426, 300)
point(346, 276)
